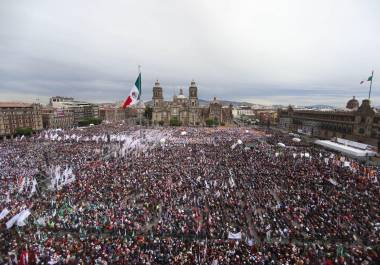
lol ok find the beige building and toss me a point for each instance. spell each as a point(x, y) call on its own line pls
point(57, 118)
point(186, 109)
point(15, 115)
point(82, 110)
point(239, 111)
point(111, 113)
point(359, 123)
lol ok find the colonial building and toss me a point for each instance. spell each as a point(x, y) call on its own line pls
point(186, 109)
point(111, 112)
point(15, 115)
point(357, 123)
point(239, 111)
point(57, 118)
point(266, 116)
point(82, 110)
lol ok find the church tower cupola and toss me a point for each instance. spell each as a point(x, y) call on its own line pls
point(193, 94)
point(158, 97)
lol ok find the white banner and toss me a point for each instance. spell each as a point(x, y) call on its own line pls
point(22, 218)
point(234, 235)
point(4, 213)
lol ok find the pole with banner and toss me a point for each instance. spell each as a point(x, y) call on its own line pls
point(139, 104)
point(370, 85)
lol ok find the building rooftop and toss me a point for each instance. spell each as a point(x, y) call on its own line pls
point(15, 105)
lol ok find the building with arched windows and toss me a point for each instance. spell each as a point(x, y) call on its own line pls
point(357, 122)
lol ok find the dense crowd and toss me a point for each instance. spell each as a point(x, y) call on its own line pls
point(184, 196)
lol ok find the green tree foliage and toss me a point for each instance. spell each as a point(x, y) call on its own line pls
point(88, 121)
point(212, 122)
point(24, 131)
point(175, 122)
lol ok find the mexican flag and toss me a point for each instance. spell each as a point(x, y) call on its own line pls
point(369, 79)
point(134, 95)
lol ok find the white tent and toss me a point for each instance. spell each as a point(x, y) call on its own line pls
point(352, 151)
point(281, 144)
point(297, 140)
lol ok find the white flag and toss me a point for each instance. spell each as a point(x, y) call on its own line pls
point(22, 218)
point(4, 213)
point(234, 235)
point(34, 185)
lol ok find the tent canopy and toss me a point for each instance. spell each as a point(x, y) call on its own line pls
point(349, 150)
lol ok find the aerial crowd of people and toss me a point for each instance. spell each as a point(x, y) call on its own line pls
point(115, 194)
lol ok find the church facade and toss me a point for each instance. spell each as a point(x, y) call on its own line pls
point(187, 109)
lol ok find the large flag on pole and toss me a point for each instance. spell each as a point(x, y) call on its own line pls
point(134, 95)
point(368, 80)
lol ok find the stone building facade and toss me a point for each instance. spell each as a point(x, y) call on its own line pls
point(111, 114)
point(187, 109)
point(357, 123)
point(15, 115)
point(81, 110)
point(57, 118)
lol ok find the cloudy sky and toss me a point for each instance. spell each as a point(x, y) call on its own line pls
point(271, 52)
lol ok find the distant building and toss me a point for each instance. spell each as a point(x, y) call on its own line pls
point(186, 109)
point(15, 115)
point(112, 113)
point(267, 116)
point(82, 110)
point(54, 118)
point(357, 123)
point(140, 109)
point(239, 111)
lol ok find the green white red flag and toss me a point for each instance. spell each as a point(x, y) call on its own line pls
point(134, 95)
point(369, 79)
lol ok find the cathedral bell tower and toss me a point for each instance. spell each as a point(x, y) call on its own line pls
point(193, 95)
point(157, 95)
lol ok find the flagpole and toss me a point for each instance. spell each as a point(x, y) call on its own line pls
point(139, 70)
point(370, 87)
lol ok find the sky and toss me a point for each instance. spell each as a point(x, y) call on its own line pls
point(298, 52)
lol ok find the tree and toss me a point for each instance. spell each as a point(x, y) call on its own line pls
point(88, 121)
point(216, 122)
point(175, 122)
point(209, 122)
point(148, 112)
point(24, 131)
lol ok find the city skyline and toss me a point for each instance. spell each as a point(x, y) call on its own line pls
point(277, 52)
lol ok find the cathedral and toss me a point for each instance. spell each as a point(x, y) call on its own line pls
point(187, 110)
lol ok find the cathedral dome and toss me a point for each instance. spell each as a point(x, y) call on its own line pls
point(181, 95)
point(352, 103)
point(215, 101)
